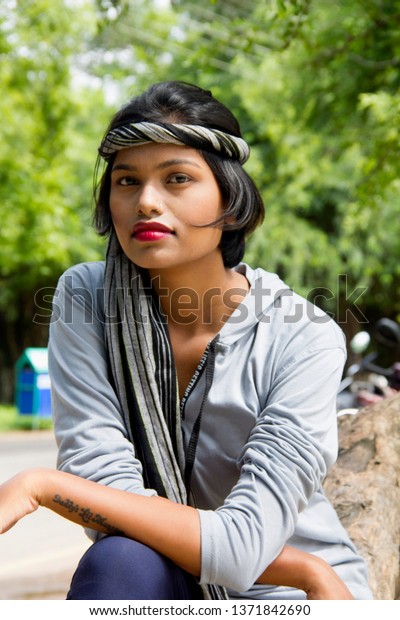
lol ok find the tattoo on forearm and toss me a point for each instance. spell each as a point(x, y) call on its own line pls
point(86, 515)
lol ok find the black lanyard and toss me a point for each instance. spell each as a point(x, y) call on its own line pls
point(207, 362)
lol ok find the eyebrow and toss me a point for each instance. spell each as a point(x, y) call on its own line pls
point(162, 166)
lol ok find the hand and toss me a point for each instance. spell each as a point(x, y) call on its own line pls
point(18, 498)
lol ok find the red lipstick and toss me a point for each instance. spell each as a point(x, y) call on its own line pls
point(150, 231)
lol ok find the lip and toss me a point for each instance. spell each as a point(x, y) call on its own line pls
point(150, 231)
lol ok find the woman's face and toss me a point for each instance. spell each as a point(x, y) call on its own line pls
point(159, 194)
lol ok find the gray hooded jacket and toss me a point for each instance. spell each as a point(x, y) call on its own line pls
point(268, 427)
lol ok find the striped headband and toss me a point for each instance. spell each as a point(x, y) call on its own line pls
point(196, 136)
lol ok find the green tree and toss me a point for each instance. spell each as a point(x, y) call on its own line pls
point(315, 85)
point(45, 165)
point(332, 107)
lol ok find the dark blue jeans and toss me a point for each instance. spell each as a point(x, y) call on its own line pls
point(118, 568)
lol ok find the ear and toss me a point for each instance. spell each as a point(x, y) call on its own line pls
point(230, 221)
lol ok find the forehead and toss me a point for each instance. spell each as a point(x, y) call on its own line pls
point(156, 153)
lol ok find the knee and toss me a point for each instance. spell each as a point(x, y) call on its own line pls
point(110, 556)
point(113, 556)
point(117, 568)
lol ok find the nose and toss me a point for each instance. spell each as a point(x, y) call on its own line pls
point(150, 200)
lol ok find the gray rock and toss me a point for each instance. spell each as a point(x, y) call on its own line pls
point(364, 487)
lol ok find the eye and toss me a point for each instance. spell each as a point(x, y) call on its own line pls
point(178, 178)
point(127, 181)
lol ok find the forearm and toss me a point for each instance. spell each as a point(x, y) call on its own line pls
point(291, 568)
point(174, 531)
point(297, 569)
point(169, 528)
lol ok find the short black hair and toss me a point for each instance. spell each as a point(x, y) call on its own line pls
point(180, 102)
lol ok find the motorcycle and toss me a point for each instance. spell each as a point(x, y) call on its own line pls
point(372, 376)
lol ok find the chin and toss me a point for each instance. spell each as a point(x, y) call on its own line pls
point(149, 262)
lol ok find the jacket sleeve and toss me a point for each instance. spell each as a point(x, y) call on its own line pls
point(282, 465)
point(89, 427)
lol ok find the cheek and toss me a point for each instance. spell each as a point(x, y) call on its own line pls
point(117, 213)
point(208, 208)
point(205, 237)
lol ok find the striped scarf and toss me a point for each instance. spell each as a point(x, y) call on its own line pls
point(196, 136)
point(144, 375)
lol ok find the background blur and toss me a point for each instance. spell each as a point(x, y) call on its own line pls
point(314, 83)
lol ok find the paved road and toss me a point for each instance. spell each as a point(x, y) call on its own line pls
point(38, 556)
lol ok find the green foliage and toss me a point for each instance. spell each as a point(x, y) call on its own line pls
point(10, 420)
point(320, 108)
point(333, 115)
point(45, 163)
point(39, 201)
point(314, 84)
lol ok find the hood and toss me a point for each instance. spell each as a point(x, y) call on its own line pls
point(265, 290)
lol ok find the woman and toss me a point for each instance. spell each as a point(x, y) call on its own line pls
point(198, 392)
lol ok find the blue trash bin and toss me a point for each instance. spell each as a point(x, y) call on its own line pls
point(32, 385)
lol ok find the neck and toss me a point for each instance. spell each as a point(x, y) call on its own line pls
point(199, 298)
